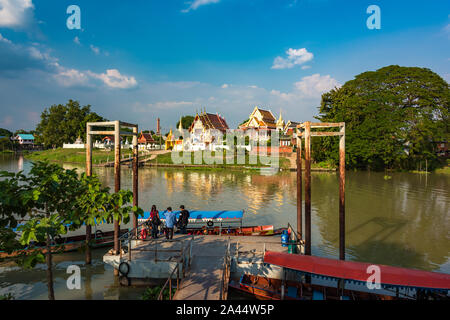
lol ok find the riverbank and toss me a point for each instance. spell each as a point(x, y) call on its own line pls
point(104, 158)
point(219, 161)
point(75, 156)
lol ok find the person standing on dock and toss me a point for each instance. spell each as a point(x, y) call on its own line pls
point(183, 220)
point(155, 221)
point(171, 220)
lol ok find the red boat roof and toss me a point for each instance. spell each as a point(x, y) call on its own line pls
point(357, 271)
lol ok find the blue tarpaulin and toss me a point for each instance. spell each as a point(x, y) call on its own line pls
point(197, 215)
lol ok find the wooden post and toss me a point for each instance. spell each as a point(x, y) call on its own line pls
point(135, 176)
point(299, 187)
point(88, 255)
point(116, 179)
point(342, 193)
point(129, 249)
point(307, 188)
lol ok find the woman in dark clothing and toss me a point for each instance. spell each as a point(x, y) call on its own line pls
point(154, 219)
point(183, 220)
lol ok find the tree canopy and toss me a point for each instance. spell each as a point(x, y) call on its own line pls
point(186, 122)
point(5, 133)
point(64, 123)
point(53, 200)
point(394, 116)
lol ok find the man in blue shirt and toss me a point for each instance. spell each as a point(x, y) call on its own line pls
point(171, 220)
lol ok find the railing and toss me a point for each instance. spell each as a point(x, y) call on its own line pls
point(169, 280)
point(294, 240)
point(180, 262)
point(226, 272)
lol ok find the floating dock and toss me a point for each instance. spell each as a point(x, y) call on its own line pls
point(201, 265)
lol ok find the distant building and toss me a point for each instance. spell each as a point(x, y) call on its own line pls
point(146, 141)
point(442, 148)
point(108, 141)
point(206, 131)
point(78, 144)
point(290, 129)
point(260, 119)
point(170, 141)
point(280, 123)
point(24, 139)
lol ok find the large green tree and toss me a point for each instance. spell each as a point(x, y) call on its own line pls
point(64, 123)
point(52, 201)
point(393, 116)
point(5, 133)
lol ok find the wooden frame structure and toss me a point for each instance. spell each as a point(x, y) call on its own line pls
point(117, 149)
point(304, 131)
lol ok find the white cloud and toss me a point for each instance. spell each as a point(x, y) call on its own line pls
point(306, 67)
point(224, 86)
point(72, 77)
point(447, 30)
point(77, 40)
point(316, 84)
point(15, 13)
point(170, 104)
point(94, 49)
point(309, 87)
point(294, 57)
point(198, 3)
point(113, 79)
point(447, 77)
point(4, 39)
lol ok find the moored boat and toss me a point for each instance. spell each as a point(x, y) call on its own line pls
point(66, 244)
point(263, 288)
point(400, 281)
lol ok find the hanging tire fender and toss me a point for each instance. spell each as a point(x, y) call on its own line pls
point(99, 234)
point(124, 268)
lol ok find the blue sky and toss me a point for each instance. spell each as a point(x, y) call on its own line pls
point(139, 60)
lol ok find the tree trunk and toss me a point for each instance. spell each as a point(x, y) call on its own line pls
point(88, 248)
point(48, 258)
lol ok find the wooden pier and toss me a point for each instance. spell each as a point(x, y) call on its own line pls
point(205, 263)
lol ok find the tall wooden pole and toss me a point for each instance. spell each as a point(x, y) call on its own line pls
point(88, 256)
point(307, 188)
point(135, 175)
point(299, 186)
point(342, 194)
point(116, 179)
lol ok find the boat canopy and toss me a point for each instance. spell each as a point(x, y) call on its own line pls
point(359, 272)
point(197, 216)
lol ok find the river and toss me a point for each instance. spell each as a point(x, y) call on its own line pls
point(403, 221)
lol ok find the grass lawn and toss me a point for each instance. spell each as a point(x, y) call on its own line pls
point(76, 155)
point(445, 170)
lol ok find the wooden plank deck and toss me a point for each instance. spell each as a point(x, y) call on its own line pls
point(203, 280)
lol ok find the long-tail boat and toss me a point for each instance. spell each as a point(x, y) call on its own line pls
point(219, 222)
point(67, 244)
point(263, 288)
point(402, 282)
